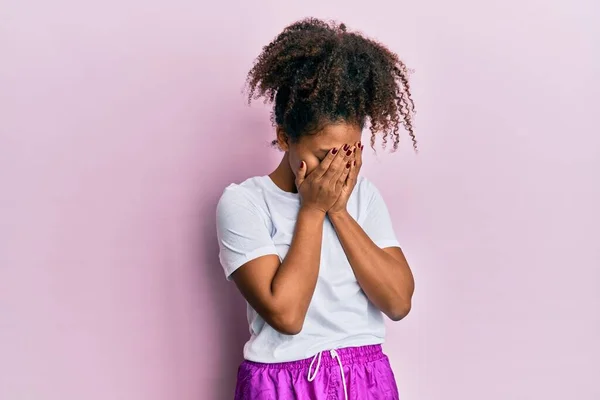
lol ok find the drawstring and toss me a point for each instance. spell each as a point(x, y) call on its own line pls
point(317, 358)
point(334, 354)
point(312, 378)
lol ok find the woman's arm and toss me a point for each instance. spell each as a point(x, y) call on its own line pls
point(383, 274)
point(281, 292)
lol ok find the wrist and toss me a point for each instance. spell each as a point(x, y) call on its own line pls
point(312, 212)
point(338, 215)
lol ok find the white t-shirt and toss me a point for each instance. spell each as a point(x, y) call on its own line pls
point(256, 218)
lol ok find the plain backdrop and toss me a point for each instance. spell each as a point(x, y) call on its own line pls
point(121, 122)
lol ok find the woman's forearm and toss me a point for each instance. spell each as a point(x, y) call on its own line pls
point(294, 282)
point(384, 275)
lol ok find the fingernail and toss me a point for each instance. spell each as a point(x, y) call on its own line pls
point(354, 150)
point(348, 165)
point(362, 147)
point(354, 162)
point(301, 164)
point(333, 151)
point(345, 147)
point(349, 152)
point(359, 144)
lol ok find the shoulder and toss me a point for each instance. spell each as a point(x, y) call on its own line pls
point(368, 195)
point(245, 195)
point(366, 188)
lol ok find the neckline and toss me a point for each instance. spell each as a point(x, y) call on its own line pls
point(273, 187)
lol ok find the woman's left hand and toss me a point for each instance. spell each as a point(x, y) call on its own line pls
point(355, 163)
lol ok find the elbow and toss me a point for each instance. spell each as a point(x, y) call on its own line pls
point(290, 330)
point(287, 323)
point(399, 310)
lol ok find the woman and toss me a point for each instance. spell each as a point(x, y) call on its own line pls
point(311, 246)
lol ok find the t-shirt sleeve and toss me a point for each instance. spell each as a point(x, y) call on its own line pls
point(241, 231)
point(377, 223)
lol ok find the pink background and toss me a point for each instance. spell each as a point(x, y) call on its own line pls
point(122, 122)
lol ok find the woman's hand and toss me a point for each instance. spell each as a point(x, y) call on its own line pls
point(348, 186)
point(322, 188)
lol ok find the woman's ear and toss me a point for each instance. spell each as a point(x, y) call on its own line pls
point(282, 139)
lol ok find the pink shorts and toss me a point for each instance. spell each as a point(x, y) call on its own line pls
point(353, 373)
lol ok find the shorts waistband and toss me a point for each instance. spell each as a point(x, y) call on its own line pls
point(347, 355)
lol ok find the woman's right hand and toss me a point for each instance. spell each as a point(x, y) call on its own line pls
point(320, 189)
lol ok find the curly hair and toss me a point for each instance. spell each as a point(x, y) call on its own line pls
point(317, 72)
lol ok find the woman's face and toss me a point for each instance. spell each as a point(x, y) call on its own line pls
point(313, 148)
